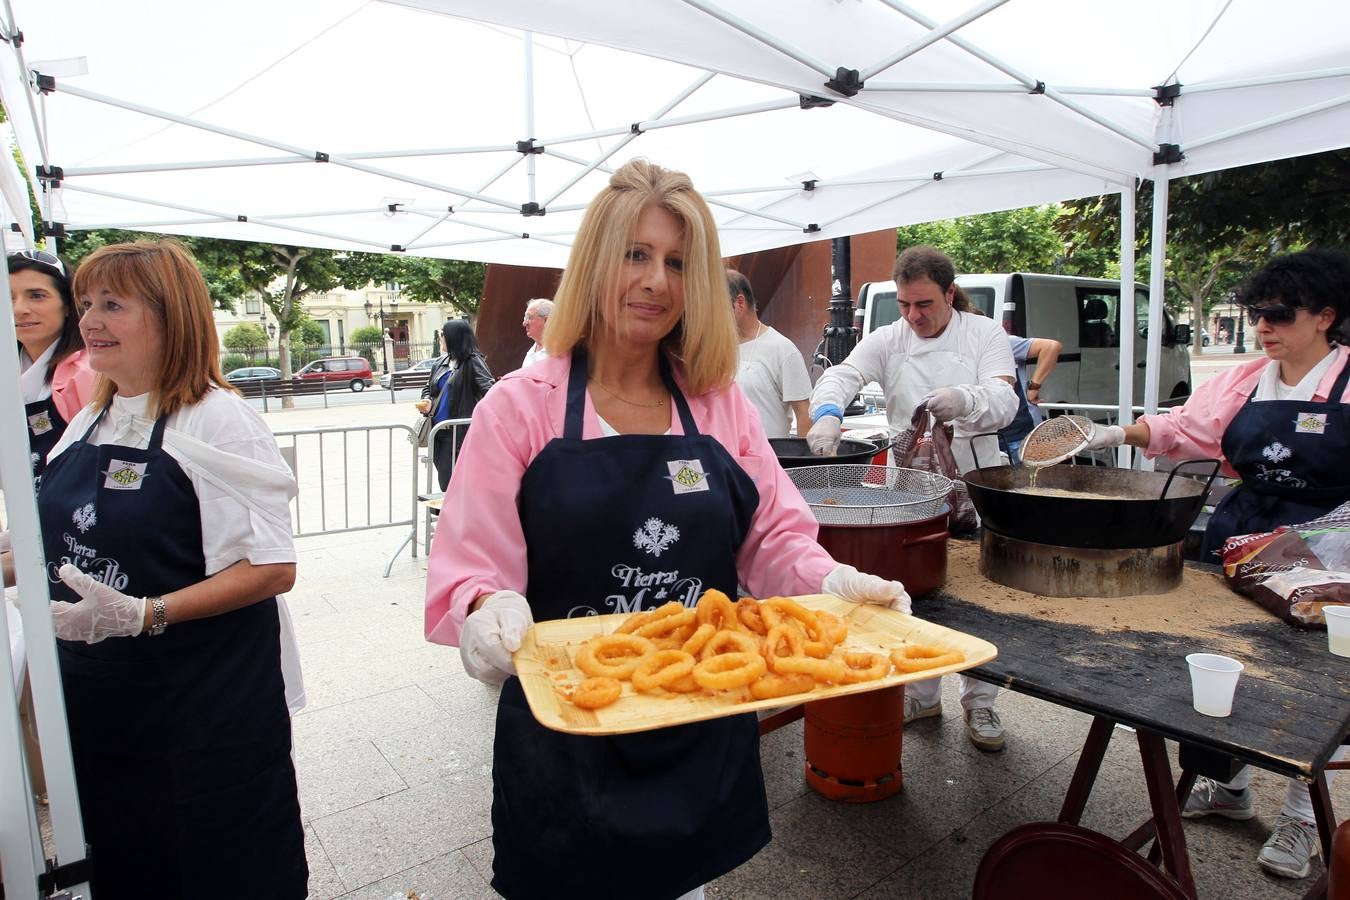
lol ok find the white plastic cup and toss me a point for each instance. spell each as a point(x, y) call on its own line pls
point(1213, 680)
point(1338, 629)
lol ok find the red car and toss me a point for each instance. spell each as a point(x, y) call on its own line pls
point(352, 371)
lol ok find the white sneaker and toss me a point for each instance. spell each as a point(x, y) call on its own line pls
point(1209, 798)
point(915, 710)
point(1290, 849)
point(984, 729)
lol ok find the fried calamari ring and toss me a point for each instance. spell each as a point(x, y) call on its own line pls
point(747, 611)
point(667, 626)
point(770, 686)
point(779, 610)
point(716, 608)
point(782, 637)
point(637, 620)
point(729, 642)
point(921, 657)
point(612, 655)
point(836, 629)
point(661, 668)
point(831, 671)
point(861, 667)
point(729, 671)
point(701, 636)
point(685, 685)
point(594, 693)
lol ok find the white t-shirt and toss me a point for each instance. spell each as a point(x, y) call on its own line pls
point(533, 355)
point(242, 484)
point(773, 374)
point(1270, 387)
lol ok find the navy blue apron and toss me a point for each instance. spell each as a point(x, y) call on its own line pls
point(1291, 455)
point(182, 741)
point(45, 427)
point(615, 525)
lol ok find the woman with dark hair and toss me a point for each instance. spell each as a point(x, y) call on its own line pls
point(1282, 424)
point(457, 382)
point(166, 526)
point(54, 373)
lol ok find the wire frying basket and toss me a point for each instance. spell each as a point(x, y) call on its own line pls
point(1055, 440)
point(871, 495)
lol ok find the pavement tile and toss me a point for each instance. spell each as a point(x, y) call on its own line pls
point(447, 877)
point(368, 717)
point(783, 761)
point(459, 693)
point(480, 855)
point(324, 883)
point(339, 776)
point(442, 746)
point(395, 833)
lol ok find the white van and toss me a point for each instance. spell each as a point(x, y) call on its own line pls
point(1081, 313)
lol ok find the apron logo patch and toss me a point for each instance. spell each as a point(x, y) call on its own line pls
point(1277, 452)
point(1311, 423)
point(124, 476)
point(687, 476)
point(84, 517)
point(40, 423)
point(655, 536)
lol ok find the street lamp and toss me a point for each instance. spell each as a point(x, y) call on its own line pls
point(384, 326)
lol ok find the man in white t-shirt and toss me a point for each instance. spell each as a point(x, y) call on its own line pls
point(536, 317)
point(772, 372)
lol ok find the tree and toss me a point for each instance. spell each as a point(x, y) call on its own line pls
point(453, 281)
point(1197, 278)
point(1014, 240)
point(367, 334)
point(223, 281)
point(245, 337)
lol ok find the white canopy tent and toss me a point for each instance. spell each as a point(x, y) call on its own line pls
point(478, 129)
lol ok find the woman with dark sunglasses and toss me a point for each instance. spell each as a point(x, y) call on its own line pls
point(54, 375)
point(1282, 425)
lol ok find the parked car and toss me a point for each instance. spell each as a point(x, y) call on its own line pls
point(1204, 338)
point(253, 373)
point(421, 370)
point(1083, 314)
point(353, 371)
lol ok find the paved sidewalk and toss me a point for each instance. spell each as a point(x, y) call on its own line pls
point(394, 754)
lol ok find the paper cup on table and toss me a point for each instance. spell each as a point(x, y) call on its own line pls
point(1213, 680)
point(1338, 629)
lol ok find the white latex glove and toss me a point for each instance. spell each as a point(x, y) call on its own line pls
point(1104, 437)
point(102, 613)
point(949, 403)
point(823, 438)
point(847, 582)
point(492, 633)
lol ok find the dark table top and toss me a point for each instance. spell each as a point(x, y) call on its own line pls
point(1288, 718)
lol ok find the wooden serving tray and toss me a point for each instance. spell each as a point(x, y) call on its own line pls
point(544, 664)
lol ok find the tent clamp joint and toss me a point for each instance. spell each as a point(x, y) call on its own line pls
point(16, 39)
point(635, 128)
point(392, 208)
point(52, 176)
point(937, 176)
point(525, 148)
point(320, 156)
point(1167, 154)
point(54, 229)
point(532, 209)
point(62, 875)
point(845, 81)
point(45, 84)
point(241, 218)
point(1166, 94)
point(14, 226)
point(813, 228)
point(811, 101)
point(397, 248)
point(1038, 89)
point(809, 185)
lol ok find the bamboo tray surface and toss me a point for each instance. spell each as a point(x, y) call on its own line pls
point(544, 664)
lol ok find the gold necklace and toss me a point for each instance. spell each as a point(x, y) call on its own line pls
point(617, 396)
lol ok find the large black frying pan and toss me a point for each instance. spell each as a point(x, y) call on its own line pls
point(792, 452)
point(1136, 509)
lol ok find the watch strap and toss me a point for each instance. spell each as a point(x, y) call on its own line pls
point(1033, 385)
point(160, 617)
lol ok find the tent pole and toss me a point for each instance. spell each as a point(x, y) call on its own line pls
point(1128, 325)
point(529, 116)
point(1289, 116)
point(1157, 281)
point(934, 35)
point(1288, 78)
point(763, 37)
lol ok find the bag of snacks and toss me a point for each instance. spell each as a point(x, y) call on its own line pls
point(927, 445)
point(1294, 570)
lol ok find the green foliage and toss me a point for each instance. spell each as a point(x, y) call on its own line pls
point(245, 336)
point(1014, 240)
point(367, 334)
point(222, 278)
point(421, 280)
point(308, 333)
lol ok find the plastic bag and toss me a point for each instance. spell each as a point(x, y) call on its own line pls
point(927, 446)
point(1294, 570)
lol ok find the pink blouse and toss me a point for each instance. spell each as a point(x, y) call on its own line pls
point(73, 384)
point(480, 547)
point(1195, 430)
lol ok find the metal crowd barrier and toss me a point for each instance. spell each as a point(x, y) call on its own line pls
point(432, 491)
point(353, 479)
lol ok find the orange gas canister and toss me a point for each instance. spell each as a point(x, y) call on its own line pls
point(853, 745)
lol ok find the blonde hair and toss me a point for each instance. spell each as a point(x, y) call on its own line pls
point(165, 276)
point(704, 341)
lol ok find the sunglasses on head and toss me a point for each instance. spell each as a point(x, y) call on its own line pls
point(1279, 314)
point(43, 258)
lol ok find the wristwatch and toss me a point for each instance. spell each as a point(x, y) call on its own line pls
point(1033, 385)
point(160, 620)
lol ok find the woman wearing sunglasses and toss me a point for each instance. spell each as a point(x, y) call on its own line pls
point(1282, 425)
point(54, 374)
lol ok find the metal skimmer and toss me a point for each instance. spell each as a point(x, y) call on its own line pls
point(871, 495)
point(1055, 440)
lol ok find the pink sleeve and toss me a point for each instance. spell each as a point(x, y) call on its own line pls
point(479, 546)
point(1195, 429)
point(780, 555)
point(73, 385)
